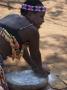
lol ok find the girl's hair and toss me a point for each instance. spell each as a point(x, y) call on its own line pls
point(32, 3)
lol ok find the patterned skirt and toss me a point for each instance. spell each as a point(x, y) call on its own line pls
point(3, 83)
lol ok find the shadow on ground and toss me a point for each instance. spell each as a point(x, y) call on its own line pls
point(58, 44)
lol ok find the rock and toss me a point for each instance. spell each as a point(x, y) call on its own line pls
point(55, 82)
point(25, 80)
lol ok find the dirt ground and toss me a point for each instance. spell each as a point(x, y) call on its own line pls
point(53, 35)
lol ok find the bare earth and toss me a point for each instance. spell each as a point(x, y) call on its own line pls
point(53, 38)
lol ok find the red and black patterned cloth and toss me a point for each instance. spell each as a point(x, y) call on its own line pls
point(3, 83)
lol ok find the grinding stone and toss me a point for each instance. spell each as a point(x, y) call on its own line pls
point(26, 80)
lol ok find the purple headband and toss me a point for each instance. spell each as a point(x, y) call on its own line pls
point(34, 8)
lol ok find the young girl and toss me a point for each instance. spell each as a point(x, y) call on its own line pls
point(25, 28)
point(34, 12)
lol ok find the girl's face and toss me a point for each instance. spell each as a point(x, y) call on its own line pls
point(36, 18)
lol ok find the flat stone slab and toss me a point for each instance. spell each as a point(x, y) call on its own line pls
point(25, 80)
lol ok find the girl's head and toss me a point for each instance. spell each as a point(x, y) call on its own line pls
point(34, 11)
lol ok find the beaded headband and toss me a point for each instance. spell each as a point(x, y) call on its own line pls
point(34, 8)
